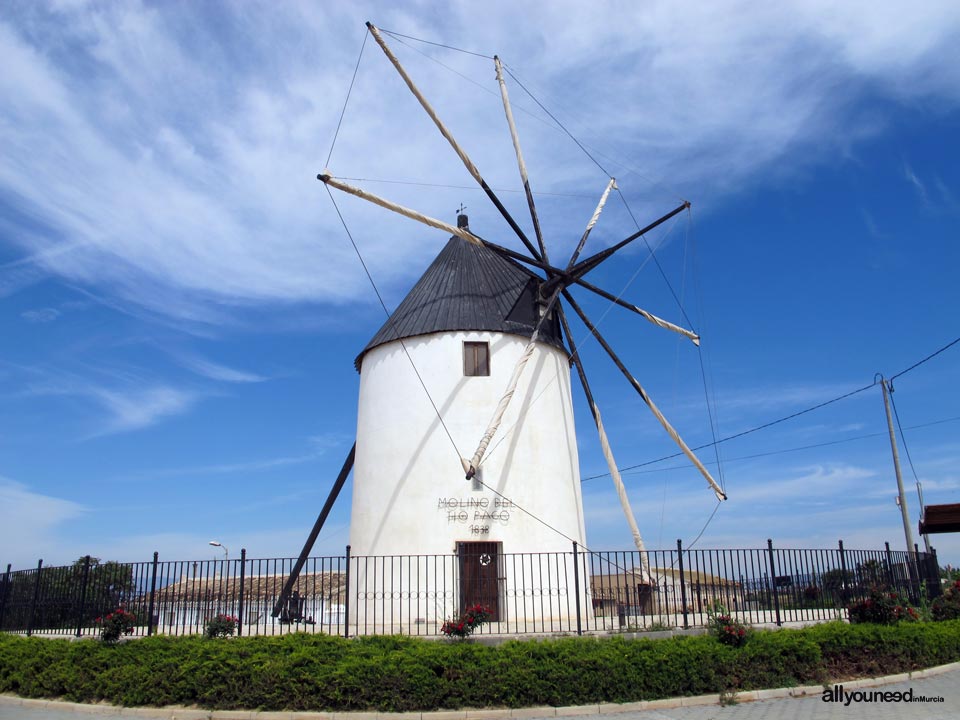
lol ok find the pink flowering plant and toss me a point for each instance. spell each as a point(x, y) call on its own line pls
point(724, 627)
point(222, 625)
point(882, 607)
point(947, 606)
point(469, 620)
point(114, 624)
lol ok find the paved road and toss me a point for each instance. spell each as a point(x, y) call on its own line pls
point(945, 685)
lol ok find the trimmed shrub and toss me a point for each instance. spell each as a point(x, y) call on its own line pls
point(397, 674)
point(947, 606)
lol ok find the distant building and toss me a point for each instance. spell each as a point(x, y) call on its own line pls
point(190, 602)
point(632, 593)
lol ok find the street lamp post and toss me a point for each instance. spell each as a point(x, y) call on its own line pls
point(226, 553)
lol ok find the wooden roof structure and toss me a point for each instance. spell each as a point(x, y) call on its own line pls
point(940, 519)
point(468, 287)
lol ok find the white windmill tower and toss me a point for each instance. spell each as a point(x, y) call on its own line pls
point(479, 350)
point(429, 381)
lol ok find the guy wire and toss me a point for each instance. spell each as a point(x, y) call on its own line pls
point(347, 100)
point(385, 310)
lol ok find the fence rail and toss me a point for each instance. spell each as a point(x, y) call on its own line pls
point(528, 593)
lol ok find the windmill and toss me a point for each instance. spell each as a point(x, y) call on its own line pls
point(506, 309)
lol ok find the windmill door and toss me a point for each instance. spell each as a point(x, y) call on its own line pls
point(480, 576)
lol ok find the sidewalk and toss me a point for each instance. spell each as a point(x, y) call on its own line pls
point(939, 682)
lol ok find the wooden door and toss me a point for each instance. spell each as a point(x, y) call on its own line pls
point(479, 575)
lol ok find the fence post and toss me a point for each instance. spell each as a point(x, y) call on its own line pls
point(843, 574)
point(773, 582)
point(936, 588)
point(83, 595)
point(153, 593)
point(346, 599)
point(576, 585)
point(4, 592)
point(36, 596)
point(243, 575)
point(920, 576)
point(683, 584)
point(925, 573)
point(893, 583)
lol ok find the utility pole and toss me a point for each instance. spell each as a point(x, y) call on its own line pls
point(926, 538)
point(902, 502)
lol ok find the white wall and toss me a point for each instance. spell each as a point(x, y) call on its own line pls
point(410, 495)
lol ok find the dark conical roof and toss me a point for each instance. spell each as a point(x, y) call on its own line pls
point(468, 287)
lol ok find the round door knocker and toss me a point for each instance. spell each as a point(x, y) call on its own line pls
point(485, 559)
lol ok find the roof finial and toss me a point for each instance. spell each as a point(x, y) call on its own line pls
point(461, 217)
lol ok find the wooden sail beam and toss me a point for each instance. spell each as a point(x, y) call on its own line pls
point(605, 447)
point(464, 158)
point(721, 495)
point(315, 532)
point(593, 221)
point(658, 321)
point(326, 178)
point(473, 464)
point(564, 278)
point(501, 408)
point(555, 273)
point(520, 163)
point(585, 266)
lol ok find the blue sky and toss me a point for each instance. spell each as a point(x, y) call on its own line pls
point(180, 307)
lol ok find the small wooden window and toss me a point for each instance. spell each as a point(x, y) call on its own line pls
point(476, 359)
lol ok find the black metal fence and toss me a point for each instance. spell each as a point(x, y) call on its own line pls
point(526, 593)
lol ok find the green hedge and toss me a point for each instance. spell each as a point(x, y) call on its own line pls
point(318, 672)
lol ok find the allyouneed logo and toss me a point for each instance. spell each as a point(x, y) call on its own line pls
point(838, 694)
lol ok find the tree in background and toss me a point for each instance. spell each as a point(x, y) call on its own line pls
point(109, 585)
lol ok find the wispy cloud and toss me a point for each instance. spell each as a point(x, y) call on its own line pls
point(140, 408)
point(783, 395)
point(233, 468)
point(49, 314)
point(129, 404)
point(40, 315)
point(197, 149)
point(29, 522)
point(216, 371)
point(918, 186)
point(871, 224)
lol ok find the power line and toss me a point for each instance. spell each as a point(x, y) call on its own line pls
point(742, 433)
point(800, 448)
point(928, 357)
point(903, 439)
